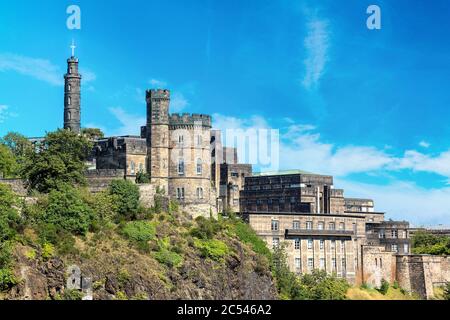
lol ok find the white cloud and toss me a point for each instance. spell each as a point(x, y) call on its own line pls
point(40, 69)
point(88, 75)
point(424, 144)
point(5, 113)
point(157, 84)
point(178, 102)
point(404, 201)
point(317, 43)
point(130, 123)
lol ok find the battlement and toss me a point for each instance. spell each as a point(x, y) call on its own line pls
point(158, 94)
point(187, 119)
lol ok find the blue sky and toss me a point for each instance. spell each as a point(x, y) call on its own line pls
point(370, 107)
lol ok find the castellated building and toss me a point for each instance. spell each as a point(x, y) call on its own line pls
point(320, 227)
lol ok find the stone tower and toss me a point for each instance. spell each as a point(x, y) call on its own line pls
point(157, 135)
point(72, 96)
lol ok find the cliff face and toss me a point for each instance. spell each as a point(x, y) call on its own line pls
point(116, 268)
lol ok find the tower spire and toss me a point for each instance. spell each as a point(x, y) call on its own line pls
point(72, 94)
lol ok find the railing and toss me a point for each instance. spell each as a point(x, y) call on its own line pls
point(292, 233)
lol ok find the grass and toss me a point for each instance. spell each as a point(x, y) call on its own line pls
point(357, 293)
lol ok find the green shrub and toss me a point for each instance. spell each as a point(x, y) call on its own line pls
point(7, 279)
point(384, 287)
point(168, 258)
point(174, 206)
point(395, 285)
point(247, 235)
point(206, 228)
point(66, 209)
point(127, 197)
point(10, 220)
point(212, 248)
point(322, 286)
point(73, 295)
point(139, 231)
point(48, 251)
point(142, 178)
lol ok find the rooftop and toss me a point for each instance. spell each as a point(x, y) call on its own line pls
point(280, 173)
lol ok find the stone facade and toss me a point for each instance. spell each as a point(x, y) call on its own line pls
point(232, 180)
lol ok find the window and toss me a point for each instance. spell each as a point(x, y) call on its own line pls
point(394, 233)
point(69, 87)
point(297, 244)
point(69, 115)
point(69, 100)
point(310, 263)
point(405, 248)
point(200, 193)
point(275, 225)
point(343, 264)
point(296, 225)
point(309, 225)
point(322, 263)
point(133, 168)
point(199, 166)
point(333, 244)
point(342, 245)
point(298, 264)
point(180, 193)
point(333, 263)
point(382, 235)
point(322, 244)
point(332, 226)
point(181, 166)
point(341, 226)
point(199, 140)
point(320, 226)
point(275, 242)
point(310, 244)
point(394, 248)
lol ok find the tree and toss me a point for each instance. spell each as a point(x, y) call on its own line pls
point(427, 243)
point(127, 195)
point(322, 286)
point(92, 133)
point(19, 145)
point(60, 160)
point(10, 221)
point(447, 291)
point(66, 209)
point(8, 164)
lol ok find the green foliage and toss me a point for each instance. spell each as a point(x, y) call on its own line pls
point(427, 243)
point(174, 206)
point(139, 231)
point(60, 160)
point(322, 286)
point(20, 147)
point(395, 285)
point(73, 295)
point(383, 289)
point(447, 291)
point(104, 205)
point(66, 209)
point(10, 220)
point(212, 248)
point(206, 228)
point(48, 251)
point(315, 286)
point(127, 197)
point(8, 164)
point(142, 178)
point(92, 133)
point(7, 279)
point(168, 258)
point(247, 235)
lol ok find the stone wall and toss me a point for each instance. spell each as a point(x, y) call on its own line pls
point(99, 180)
point(16, 185)
point(377, 264)
point(147, 192)
point(422, 273)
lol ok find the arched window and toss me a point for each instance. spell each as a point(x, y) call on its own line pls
point(69, 101)
point(199, 193)
point(69, 115)
point(133, 168)
point(69, 87)
point(199, 166)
